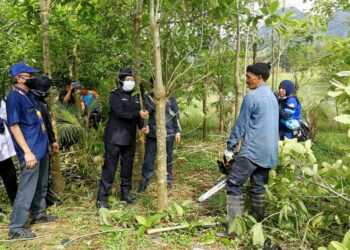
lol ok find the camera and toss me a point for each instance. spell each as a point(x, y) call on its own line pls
point(76, 84)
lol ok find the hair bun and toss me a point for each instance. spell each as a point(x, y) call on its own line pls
point(269, 65)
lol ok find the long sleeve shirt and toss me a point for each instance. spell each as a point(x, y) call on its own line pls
point(257, 127)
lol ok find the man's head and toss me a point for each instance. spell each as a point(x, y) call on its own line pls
point(40, 85)
point(257, 74)
point(21, 72)
point(286, 88)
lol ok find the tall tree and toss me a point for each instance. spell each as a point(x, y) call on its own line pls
point(137, 57)
point(160, 100)
point(44, 16)
point(237, 84)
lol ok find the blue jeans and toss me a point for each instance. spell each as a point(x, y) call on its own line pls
point(150, 157)
point(31, 194)
point(242, 169)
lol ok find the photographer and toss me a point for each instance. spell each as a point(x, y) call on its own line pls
point(66, 96)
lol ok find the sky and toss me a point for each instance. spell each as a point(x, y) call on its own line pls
point(299, 4)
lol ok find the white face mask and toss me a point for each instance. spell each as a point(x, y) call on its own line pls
point(128, 85)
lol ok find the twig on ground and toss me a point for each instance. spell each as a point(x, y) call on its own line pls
point(96, 233)
point(306, 227)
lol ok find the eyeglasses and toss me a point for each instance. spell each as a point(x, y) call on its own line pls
point(25, 77)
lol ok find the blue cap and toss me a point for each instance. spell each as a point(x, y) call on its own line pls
point(21, 67)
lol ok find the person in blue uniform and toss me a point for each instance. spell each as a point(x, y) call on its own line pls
point(257, 130)
point(39, 87)
point(290, 111)
point(120, 138)
point(30, 140)
point(173, 129)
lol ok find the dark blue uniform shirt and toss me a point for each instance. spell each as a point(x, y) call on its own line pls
point(21, 109)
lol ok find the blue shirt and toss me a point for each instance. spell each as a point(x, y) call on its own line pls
point(257, 126)
point(21, 109)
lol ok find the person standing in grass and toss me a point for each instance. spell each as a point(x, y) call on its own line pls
point(257, 129)
point(120, 138)
point(173, 129)
point(30, 140)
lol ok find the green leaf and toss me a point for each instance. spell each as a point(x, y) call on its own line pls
point(347, 60)
point(179, 209)
point(155, 219)
point(105, 215)
point(346, 240)
point(343, 119)
point(335, 245)
point(141, 231)
point(141, 220)
point(335, 93)
point(237, 226)
point(343, 73)
point(347, 90)
point(264, 10)
point(258, 235)
point(274, 6)
point(104, 228)
point(321, 248)
point(317, 221)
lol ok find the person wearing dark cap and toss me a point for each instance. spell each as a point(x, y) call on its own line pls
point(39, 88)
point(30, 139)
point(290, 111)
point(120, 138)
point(257, 130)
point(173, 129)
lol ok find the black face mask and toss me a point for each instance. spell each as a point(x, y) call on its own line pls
point(30, 83)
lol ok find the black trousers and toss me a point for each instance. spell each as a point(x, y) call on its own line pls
point(112, 154)
point(9, 177)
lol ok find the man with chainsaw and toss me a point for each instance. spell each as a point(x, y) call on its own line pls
point(257, 129)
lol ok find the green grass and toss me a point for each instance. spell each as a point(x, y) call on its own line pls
point(331, 146)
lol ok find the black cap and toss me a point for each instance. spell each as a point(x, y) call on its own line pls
point(262, 69)
point(42, 83)
point(123, 74)
point(151, 81)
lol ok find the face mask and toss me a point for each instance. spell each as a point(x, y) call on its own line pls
point(30, 83)
point(128, 85)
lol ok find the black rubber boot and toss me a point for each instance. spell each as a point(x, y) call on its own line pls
point(257, 202)
point(143, 185)
point(235, 207)
point(125, 195)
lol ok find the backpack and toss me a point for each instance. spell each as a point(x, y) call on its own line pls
point(303, 132)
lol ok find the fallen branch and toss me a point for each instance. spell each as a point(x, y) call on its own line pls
point(165, 229)
point(326, 188)
point(93, 234)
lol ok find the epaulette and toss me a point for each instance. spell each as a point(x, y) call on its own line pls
point(114, 90)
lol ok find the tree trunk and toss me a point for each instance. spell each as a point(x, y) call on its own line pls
point(140, 149)
point(73, 69)
point(56, 168)
point(160, 103)
point(205, 104)
point(238, 88)
point(255, 49)
point(273, 59)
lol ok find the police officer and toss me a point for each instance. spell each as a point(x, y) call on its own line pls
point(30, 139)
point(173, 130)
point(120, 138)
